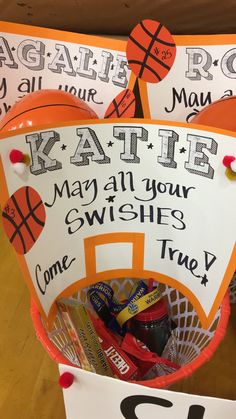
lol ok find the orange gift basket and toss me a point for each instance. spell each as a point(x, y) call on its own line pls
point(195, 345)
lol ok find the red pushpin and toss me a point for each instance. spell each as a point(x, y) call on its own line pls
point(230, 163)
point(17, 159)
point(16, 156)
point(227, 160)
point(66, 380)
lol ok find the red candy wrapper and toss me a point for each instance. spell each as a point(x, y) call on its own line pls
point(119, 361)
point(150, 365)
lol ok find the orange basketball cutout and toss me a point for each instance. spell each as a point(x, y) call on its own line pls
point(45, 107)
point(220, 114)
point(123, 106)
point(23, 219)
point(150, 51)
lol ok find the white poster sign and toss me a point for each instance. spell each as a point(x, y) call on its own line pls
point(92, 68)
point(95, 396)
point(204, 71)
point(133, 198)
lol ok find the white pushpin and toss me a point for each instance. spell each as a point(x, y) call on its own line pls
point(19, 168)
point(233, 166)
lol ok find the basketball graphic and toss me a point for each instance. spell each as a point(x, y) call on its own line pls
point(45, 107)
point(123, 106)
point(151, 51)
point(219, 114)
point(23, 219)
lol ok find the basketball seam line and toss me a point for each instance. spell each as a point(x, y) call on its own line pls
point(5, 215)
point(26, 218)
point(118, 104)
point(43, 106)
point(23, 222)
point(110, 114)
point(116, 107)
point(127, 107)
point(22, 217)
point(150, 54)
point(148, 67)
point(157, 39)
point(149, 49)
point(36, 219)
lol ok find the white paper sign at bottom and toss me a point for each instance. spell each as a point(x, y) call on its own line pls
point(95, 396)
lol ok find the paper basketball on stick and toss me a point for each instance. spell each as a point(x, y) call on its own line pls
point(23, 218)
point(150, 51)
point(123, 106)
point(45, 107)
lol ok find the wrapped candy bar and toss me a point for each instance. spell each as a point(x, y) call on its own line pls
point(120, 363)
point(150, 365)
point(86, 336)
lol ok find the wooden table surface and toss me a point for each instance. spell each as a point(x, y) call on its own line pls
point(28, 377)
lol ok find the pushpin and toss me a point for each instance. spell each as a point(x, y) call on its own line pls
point(66, 380)
point(16, 156)
point(227, 160)
point(230, 163)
